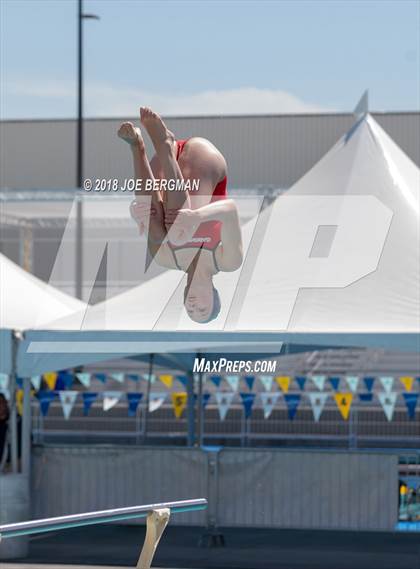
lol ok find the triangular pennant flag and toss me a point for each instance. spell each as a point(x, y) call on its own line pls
point(50, 379)
point(369, 381)
point(45, 398)
point(36, 382)
point(179, 402)
point(283, 381)
point(387, 383)
point(100, 376)
point(411, 403)
point(317, 401)
point(352, 382)
point(84, 378)
point(88, 399)
point(365, 397)
point(292, 402)
point(183, 379)
point(118, 376)
point(156, 400)
point(19, 401)
point(301, 381)
point(67, 399)
point(4, 381)
point(233, 381)
point(19, 382)
point(247, 402)
point(388, 400)
point(224, 401)
point(335, 382)
point(216, 379)
point(205, 399)
point(249, 380)
point(110, 399)
point(167, 380)
point(133, 402)
point(64, 380)
point(133, 377)
point(408, 382)
point(267, 381)
point(269, 401)
point(319, 381)
point(151, 377)
point(344, 401)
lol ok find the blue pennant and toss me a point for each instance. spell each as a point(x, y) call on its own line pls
point(133, 402)
point(216, 379)
point(335, 382)
point(365, 397)
point(64, 380)
point(100, 376)
point(249, 380)
point(45, 397)
point(88, 399)
point(301, 380)
point(247, 402)
point(411, 403)
point(369, 381)
point(19, 382)
point(292, 402)
point(204, 398)
point(183, 379)
point(133, 376)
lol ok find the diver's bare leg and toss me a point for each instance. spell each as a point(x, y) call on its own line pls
point(164, 143)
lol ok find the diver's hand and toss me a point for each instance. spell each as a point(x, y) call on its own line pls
point(141, 210)
point(181, 224)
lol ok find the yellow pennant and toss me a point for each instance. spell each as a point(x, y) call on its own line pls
point(344, 401)
point(283, 381)
point(167, 380)
point(50, 379)
point(19, 399)
point(407, 381)
point(179, 401)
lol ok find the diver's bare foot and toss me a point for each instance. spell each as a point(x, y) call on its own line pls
point(161, 136)
point(131, 134)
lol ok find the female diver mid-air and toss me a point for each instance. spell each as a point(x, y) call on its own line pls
point(195, 230)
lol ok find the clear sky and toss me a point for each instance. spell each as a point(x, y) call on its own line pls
point(210, 57)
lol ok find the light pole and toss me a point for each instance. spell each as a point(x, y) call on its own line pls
point(79, 150)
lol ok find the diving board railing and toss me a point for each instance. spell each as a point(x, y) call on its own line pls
point(157, 519)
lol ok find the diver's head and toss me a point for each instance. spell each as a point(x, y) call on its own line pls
point(202, 301)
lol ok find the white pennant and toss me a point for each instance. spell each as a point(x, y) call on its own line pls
point(319, 381)
point(388, 401)
point(156, 400)
point(118, 377)
point(110, 398)
point(36, 382)
point(318, 401)
point(84, 378)
point(387, 383)
point(233, 381)
point(267, 381)
point(269, 401)
point(224, 401)
point(151, 378)
point(352, 382)
point(4, 381)
point(68, 399)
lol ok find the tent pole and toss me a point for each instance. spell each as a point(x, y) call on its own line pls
point(191, 409)
point(26, 428)
point(13, 411)
point(146, 408)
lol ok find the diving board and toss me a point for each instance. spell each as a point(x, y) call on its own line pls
point(157, 519)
